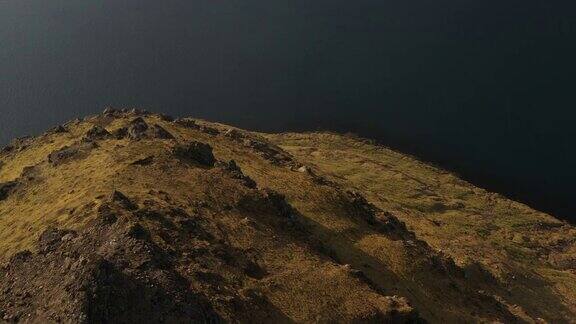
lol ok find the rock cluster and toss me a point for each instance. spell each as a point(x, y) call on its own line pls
point(17, 145)
point(129, 279)
point(139, 129)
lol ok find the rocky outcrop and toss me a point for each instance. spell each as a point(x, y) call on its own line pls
point(137, 129)
point(130, 281)
point(382, 220)
point(97, 133)
point(158, 131)
point(187, 122)
point(17, 145)
point(122, 200)
point(69, 153)
point(235, 172)
point(195, 152)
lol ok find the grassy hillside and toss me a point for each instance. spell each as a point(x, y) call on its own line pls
point(531, 254)
point(244, 227)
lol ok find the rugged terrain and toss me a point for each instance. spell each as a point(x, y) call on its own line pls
point(129, 216)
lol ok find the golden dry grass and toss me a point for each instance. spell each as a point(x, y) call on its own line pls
point(533, 254)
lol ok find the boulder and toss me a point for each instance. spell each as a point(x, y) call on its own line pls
point(121, 199)
point(68, 153)
point(159, 132)
point(195, 152)
point(97, 133)
point(137, 129)
point(120, 133)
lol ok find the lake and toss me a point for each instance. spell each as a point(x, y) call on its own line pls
point(484, 88)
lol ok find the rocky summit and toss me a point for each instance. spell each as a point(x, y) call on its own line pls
point(129, 216)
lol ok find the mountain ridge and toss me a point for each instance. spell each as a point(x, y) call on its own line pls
point(239, 226)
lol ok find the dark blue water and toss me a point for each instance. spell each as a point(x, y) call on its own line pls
point(485, 88)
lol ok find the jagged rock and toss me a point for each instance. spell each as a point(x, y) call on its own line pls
point(237, 173)
point(159, 132)
point(7, 188)
point(195, 152)
point(361, 207)
point(137, 129)
point(68, 153)
point(120, 133)
point(384, 221)
point(121, 199)
point(97, 133)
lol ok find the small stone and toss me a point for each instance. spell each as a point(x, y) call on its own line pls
point(304, 169)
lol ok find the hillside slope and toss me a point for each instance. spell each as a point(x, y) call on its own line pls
point(529, 253)
point(130, 216)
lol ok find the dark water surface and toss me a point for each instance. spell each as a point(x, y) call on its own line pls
point(485, 88)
